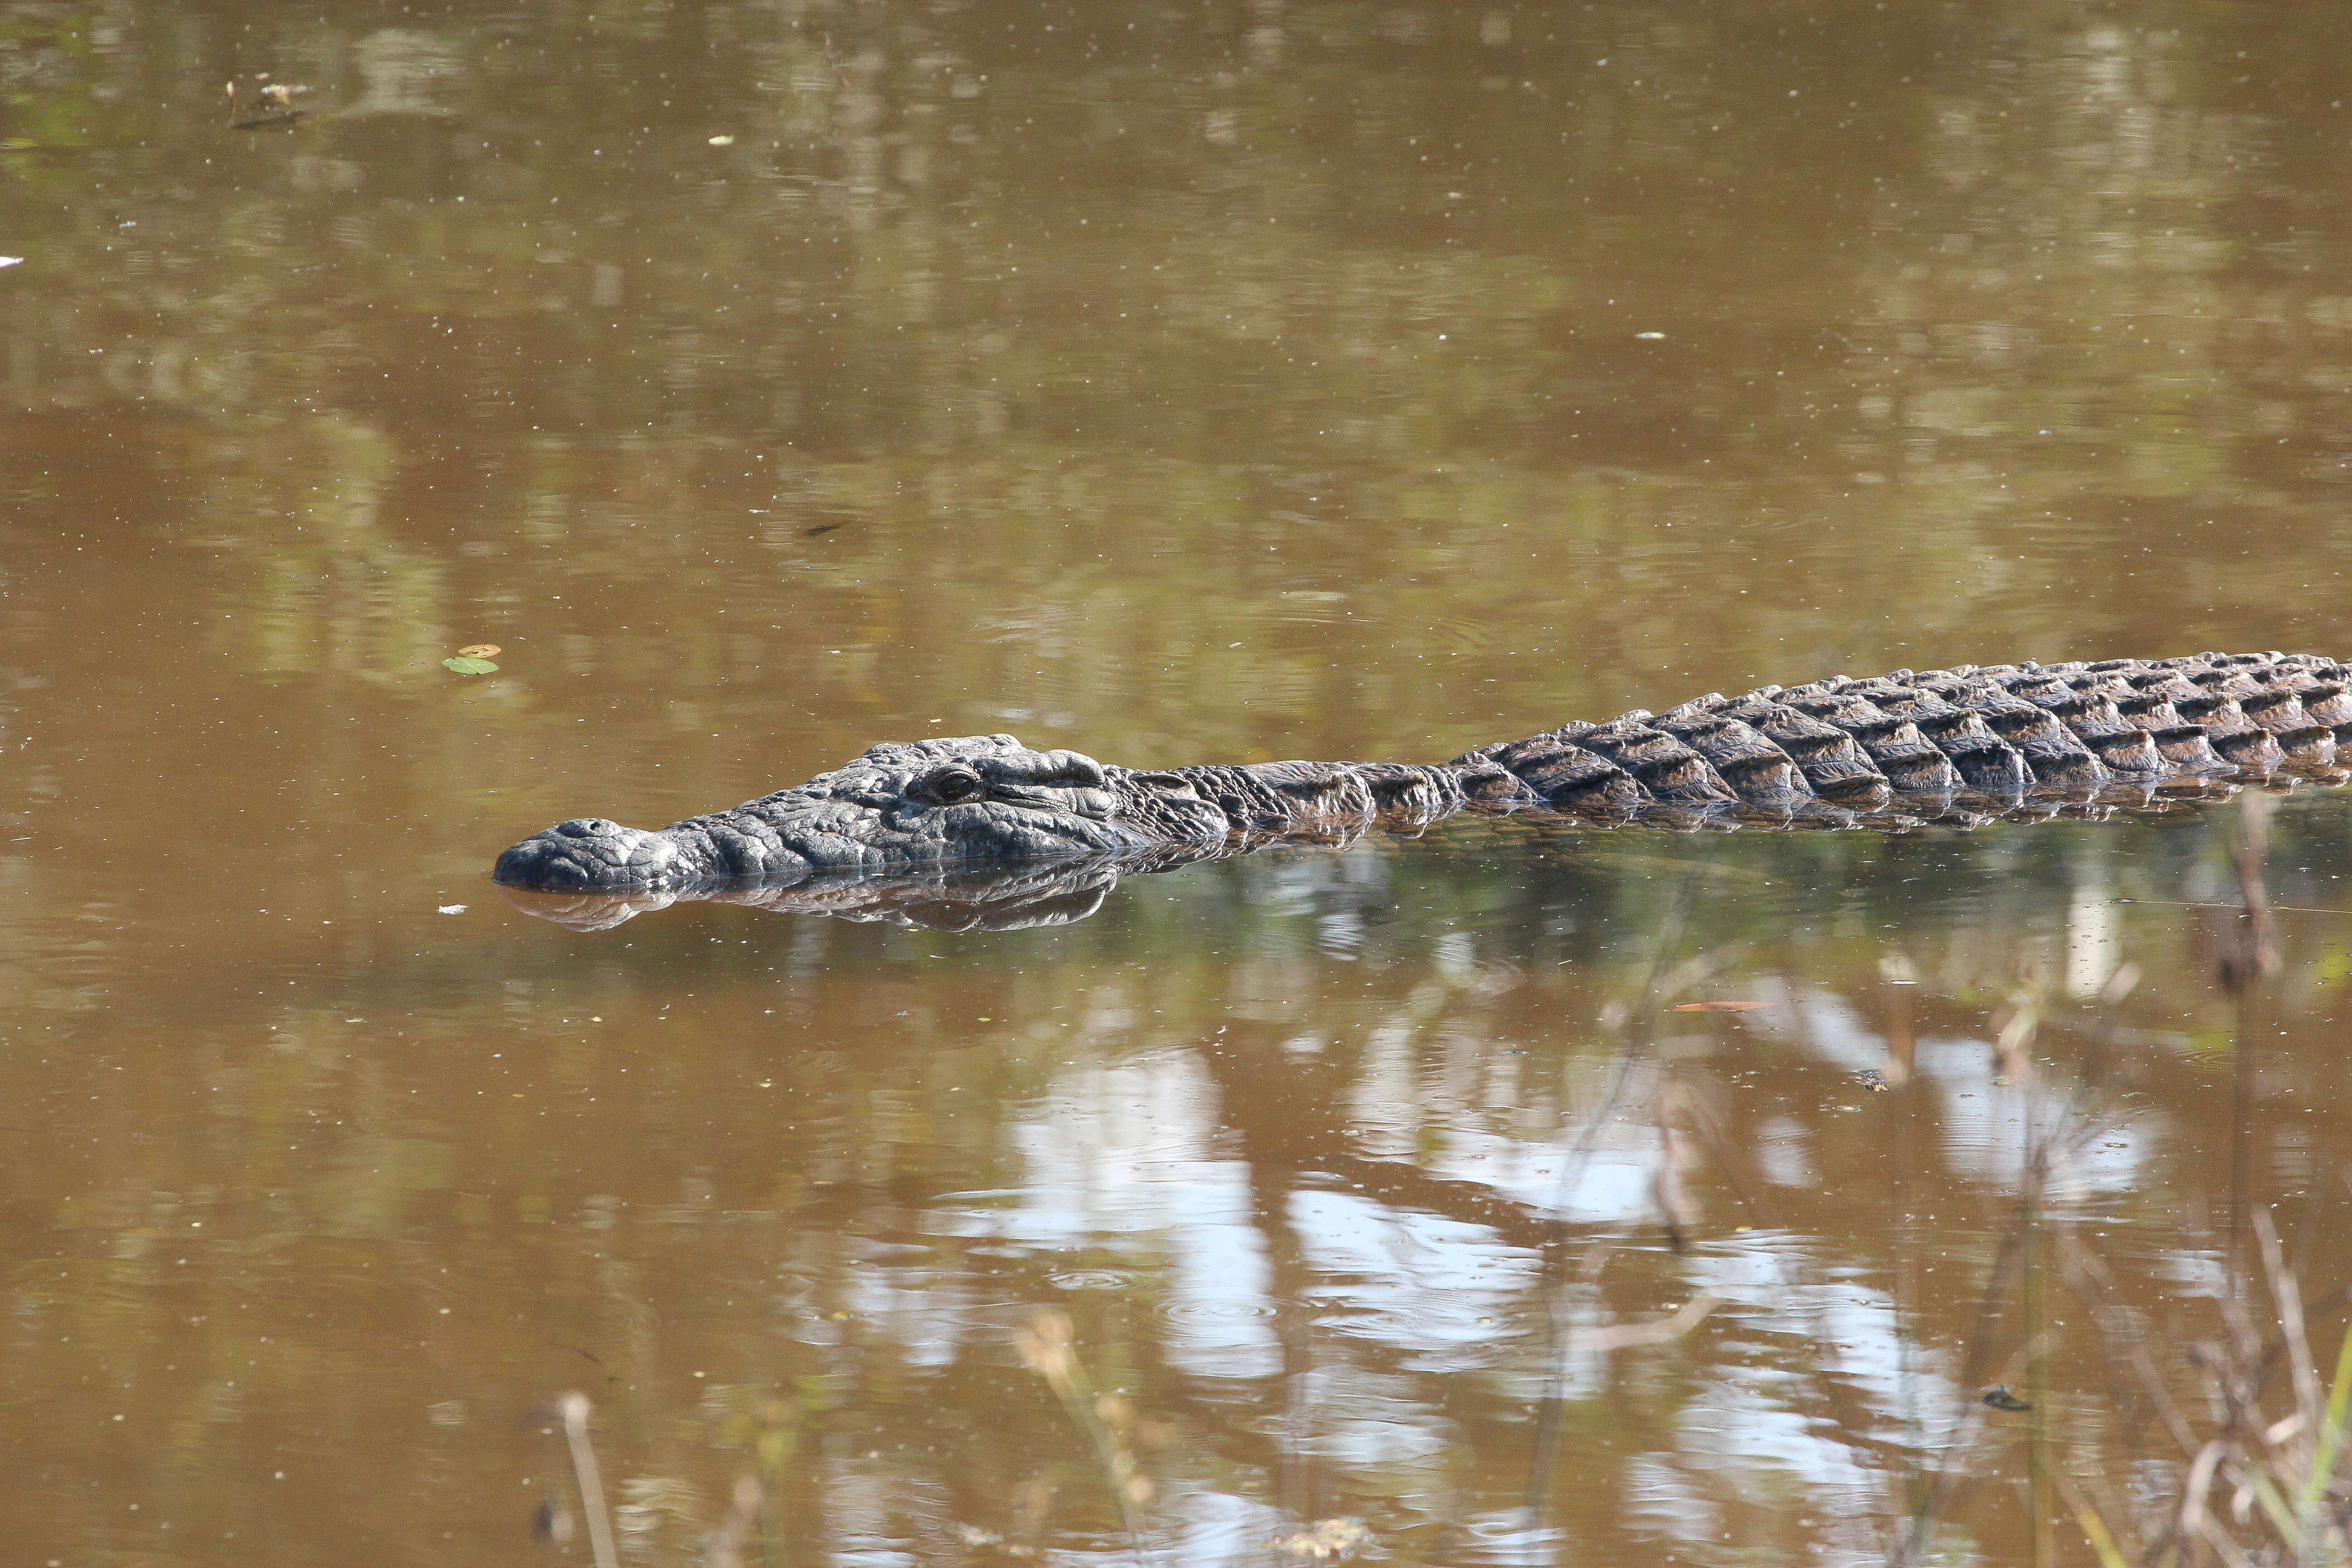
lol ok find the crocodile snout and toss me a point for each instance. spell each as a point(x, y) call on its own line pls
point(587, 855)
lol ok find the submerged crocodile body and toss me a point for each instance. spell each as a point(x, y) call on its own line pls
point(2022, 741)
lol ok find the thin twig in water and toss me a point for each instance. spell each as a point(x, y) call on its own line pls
point(1046, 1345)
point(2258, 957)
point(725, 1548)
point(2207, 904)
point(2032, 1193)
point(574, 1407)
point(2094, 1526)
point(1640, 1020)
point(2241, 968)
point(1656, 1332)
point(2045, 1147)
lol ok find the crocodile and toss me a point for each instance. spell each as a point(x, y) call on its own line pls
point(1964, 746)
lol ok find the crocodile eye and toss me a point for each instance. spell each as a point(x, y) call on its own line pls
point(947, 786)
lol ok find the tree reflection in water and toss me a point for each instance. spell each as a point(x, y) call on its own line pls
point(1711, 1212)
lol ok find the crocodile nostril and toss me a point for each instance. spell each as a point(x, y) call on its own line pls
point(587, 828)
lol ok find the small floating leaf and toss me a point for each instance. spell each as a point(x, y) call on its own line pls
point(1719, 1007)
point(2002, 1399)
point(722, 140)
point(820, 528)
point(466, 665)
point(478, 650)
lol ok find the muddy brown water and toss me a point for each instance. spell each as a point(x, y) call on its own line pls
point(1178, 384)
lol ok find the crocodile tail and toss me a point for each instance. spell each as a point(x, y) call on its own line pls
point(1974, 739)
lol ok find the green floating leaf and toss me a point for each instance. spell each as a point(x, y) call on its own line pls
point(465, 664)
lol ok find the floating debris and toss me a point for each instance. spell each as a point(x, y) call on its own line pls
point(277, 104)
point(453, 909)
point(2000, 1398)
point(1720, 1006)
point(478, 650)
point(467, 664)
point(1326, 1540)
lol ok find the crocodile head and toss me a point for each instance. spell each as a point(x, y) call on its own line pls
point(901, 806)
point(977, 896)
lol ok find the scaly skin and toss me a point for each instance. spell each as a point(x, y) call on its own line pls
point(2020, 740)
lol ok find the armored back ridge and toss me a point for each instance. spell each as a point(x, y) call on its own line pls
point(1981, 741)
point(2021, 741)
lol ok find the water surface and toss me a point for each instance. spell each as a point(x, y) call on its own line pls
point(1179, 385)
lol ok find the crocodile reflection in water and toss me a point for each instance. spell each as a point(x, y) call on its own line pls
point(983, 833)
